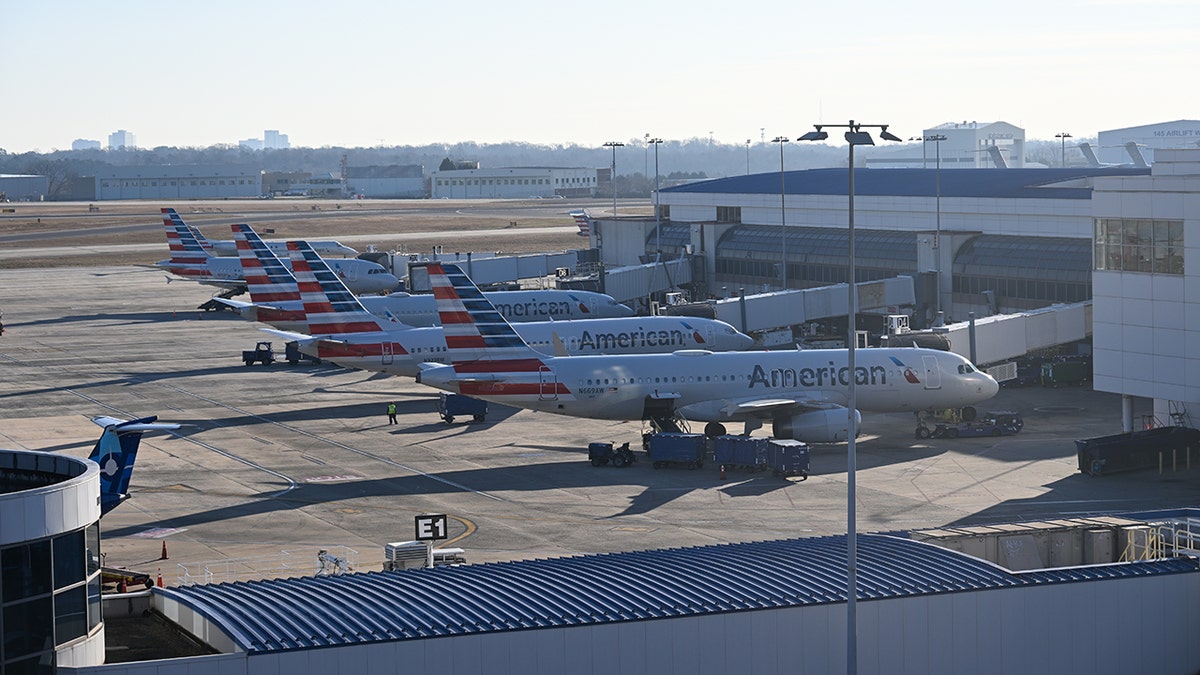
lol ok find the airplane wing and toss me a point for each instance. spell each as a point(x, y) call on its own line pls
point(767, 406)
point(288, 335)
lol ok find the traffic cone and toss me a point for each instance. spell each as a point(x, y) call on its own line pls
point(160, 583)
point(164, 551)
point(121, 586)
point(722, 472)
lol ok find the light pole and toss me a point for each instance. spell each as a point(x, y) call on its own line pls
point(657, 214)
point(937, 139)
point(1064, 136)
point(782, 141)
point(747, 156)
point(854, 136)
point(612, 176)
point(646, 156)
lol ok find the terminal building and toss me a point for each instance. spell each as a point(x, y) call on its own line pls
point(513, 183)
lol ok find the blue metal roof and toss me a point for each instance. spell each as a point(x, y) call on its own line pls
point(298, 613)
point(996, 183)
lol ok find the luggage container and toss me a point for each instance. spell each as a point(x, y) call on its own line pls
point(453, 405)
point(668, 449)
point(740, 452)
point(1136, 450)
point(787, 457)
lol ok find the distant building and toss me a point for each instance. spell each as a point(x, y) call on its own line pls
point(178, 182)
point(273, 140)
point(968, 145)
point(23, 188)
point(285, 183)
point(514, 183)
point(121, 140)
point(387, 182)
point(250, 144)
point(1148, 138)
point(85, 144)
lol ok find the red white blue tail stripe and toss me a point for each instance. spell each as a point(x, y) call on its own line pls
point(330, 307)
point(583, 222)
point(188, 258)
point(267, 278)
point(487, 354)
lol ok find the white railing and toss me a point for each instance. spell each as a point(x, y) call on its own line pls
point(289, 563)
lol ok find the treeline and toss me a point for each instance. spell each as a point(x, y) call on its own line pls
point(688, 159)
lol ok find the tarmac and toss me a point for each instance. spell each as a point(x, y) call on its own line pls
point(301, 458)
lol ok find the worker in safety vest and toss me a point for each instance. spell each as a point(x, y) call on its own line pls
point(391, 410)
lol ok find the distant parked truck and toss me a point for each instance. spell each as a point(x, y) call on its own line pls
point(672, 448)
point(1060, 373)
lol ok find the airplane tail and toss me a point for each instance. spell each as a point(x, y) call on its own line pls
point(478, 339)
point(1089, 154)
point(1135, 154)
point(267, 279)
point(583, 222)
point(329, 306)
point(185, 248)
point(116, 451)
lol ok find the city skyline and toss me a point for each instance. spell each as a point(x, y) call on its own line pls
point(393, 74)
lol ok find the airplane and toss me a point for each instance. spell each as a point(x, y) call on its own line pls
point(190, 261)
point(275, 300)
point(344, 332)
point(228, 247)
point(803, 393)
point(116, 451)
point(1135, 156)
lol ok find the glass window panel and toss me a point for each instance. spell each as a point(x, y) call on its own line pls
point(93, 548)
point(25, 570)
point(28, 627)
point(69, 559)
point(70, 614)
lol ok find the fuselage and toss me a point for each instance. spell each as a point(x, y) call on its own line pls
point(704, 386)
point(360, 276)
point(228, 248)
point(406, 310)
point(402, 352)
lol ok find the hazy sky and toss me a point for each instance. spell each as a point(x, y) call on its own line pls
point(365, 73)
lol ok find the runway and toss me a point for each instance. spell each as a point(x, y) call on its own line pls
point(301, 458)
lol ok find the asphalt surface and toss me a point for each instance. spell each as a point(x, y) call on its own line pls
point(299, 458)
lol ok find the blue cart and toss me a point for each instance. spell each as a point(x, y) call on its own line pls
point(668, 449)
point(740, 452)
point(457, 405)
point(786, 457)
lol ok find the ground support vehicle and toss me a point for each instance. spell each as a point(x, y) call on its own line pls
point(603, 453)
point(293, 355)
point(678, 449)
point(1073, 372)
point(262, 353)
point(457, 405)
point(740, 452)
point(788, 457)
point(1004, 423)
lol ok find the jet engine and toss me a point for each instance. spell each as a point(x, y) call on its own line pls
point(817, 426)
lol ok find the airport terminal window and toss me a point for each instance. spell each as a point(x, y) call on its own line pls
point(1139, 245)
point(68, 559)
point(28, 627)
point(25, 570)
point(70, 614)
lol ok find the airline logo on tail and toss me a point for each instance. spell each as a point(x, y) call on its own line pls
point(330, 307)
point(583, 222)
point(267, 278)
point(487, 354)
point(583, 308)
point(188, 258)
point(695, 333)
point(115, 452)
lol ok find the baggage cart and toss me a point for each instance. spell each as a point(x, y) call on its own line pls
point(457, 405)
point(677, 449)
point(787, 457)
point(740, 452)
point(600, 454)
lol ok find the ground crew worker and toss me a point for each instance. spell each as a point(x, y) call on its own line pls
point(391, 412)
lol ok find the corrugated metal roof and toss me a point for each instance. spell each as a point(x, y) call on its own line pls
point(995, 183)
point(287, 614)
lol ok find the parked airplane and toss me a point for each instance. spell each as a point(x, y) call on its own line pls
point(344, 332)
point(275, 300)
point(190, 261)
point(116, 451)
point(803, 393)
point(228, 247)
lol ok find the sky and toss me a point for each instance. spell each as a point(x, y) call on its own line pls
point(364, 73)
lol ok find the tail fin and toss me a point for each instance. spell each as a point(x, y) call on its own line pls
point(116, 451)
point(185, 248)
point(1089, 154)
point(267, 278)
point(583, 221)
point(330, 307)
point(478, 338)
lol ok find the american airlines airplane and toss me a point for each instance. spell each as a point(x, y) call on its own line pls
point(275, 300)
point(802, 393)
point(190, 261)
point(228, 247)
point(344, 332)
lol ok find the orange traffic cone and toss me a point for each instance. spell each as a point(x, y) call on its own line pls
point(121, 586)
point(164, 551)
point(160, 583)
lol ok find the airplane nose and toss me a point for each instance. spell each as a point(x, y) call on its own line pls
point(990, 386)
point(743, 342)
